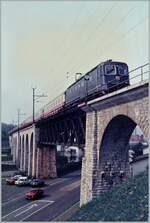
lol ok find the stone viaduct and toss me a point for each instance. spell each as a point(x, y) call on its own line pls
point(110, 121)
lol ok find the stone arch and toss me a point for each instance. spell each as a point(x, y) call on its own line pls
point(30, 165)
point(113, 154)
point(26, 152)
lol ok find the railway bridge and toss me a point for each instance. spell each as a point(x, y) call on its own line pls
point(102, 127)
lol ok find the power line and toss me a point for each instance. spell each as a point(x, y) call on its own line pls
point(122, 20)
point(100, 23)
point(120, 38)
point(61, 45)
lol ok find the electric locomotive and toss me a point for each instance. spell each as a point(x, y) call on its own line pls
point(104, 78)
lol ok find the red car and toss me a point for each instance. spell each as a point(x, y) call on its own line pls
point(34, 194)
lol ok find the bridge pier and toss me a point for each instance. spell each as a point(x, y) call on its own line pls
point(109, 125)
point(46, 162)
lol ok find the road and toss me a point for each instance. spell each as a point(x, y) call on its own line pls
point(59, 195)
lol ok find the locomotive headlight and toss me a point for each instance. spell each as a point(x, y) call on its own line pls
point(117, 78)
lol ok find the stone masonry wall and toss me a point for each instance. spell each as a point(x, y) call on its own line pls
point(46, 162)
point(135, 110)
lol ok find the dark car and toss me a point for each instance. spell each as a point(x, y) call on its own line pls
point(37, 183)
point(34, 194)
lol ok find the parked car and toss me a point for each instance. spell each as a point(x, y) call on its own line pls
point(22, 181)
point(37, 183)
point(34, 194)
point(16, 177)
point(10, 181)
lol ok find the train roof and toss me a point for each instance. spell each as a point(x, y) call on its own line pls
point(102, 63)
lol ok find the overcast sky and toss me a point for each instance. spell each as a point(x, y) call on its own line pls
point(43, 40)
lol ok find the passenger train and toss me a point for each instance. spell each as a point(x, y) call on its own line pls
point(106, 77)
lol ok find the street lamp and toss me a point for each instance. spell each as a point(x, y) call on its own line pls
point(34, 98)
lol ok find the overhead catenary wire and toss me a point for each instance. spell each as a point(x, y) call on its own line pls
point(132, 28)
point(113, 43)
point(81, 30)
point(100, 23)
point(124, 17)
point(112, 31)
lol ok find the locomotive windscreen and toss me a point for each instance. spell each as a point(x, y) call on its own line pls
point(110, 69)
point(116, 69)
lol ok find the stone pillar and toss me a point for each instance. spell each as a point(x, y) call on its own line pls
point(46, 162)
point(29, 160)
point(34, 158)
point(39, 163)
point(14, 149)
point(35, 150)
point(24, 163)
point(89, 161)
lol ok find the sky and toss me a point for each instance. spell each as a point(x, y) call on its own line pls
point(44, 43)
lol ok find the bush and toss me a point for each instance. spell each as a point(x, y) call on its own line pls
point(127, 202)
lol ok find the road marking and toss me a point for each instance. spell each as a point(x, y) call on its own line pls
point(71, 209)
point(71, 186)
point(37, 210)
point(45, 201)
point(11, 200)
point(59, 181)
point(33, 205)
point(16, 210)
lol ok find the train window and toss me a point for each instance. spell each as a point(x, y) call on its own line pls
point(110, 70)
point(120, 70)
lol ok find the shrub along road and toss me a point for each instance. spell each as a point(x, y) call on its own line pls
point(127, 202)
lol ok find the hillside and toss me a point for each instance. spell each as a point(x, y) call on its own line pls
point(128, 202)
point(5, 129)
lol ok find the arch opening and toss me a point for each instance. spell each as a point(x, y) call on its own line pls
point(114, 162)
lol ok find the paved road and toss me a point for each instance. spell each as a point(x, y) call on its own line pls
point(60, 194)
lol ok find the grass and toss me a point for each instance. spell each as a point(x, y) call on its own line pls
point(127, 202)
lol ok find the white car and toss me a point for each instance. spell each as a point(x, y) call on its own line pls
point(16, 177)
point(22, 181)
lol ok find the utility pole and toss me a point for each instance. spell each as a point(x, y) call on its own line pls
point(34, 98)
point(19, 115)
